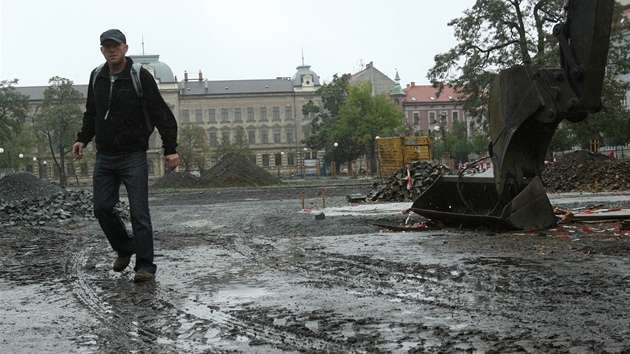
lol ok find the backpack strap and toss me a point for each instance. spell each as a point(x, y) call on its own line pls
point(97, 70)
point(135, 78)
point(137, 85)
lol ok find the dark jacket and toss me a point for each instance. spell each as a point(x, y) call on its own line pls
point(124, 129)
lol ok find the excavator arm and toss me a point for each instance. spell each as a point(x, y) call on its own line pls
point(528, 102)
point(526, 105)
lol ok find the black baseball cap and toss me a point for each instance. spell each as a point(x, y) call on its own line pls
point(114, 35)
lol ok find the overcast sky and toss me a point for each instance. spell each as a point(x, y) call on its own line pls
point(229, 39)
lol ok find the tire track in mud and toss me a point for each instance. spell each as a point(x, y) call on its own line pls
point(178, 328)
point(486, 292)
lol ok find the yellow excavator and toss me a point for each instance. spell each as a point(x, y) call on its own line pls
point(526, 105)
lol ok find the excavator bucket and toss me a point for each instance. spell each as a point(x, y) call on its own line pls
point(474, 201)
point(526, 105)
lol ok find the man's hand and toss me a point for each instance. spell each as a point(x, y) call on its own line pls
point(77, 150)
point(171, 161)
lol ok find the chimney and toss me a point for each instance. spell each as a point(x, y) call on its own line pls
point(185, 75)
point(413, 84)
point(200, 76)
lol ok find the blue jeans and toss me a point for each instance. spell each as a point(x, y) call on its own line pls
point(109, 173)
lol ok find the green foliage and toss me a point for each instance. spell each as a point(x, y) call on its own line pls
point(563, 139)
point(455, 142)
point(13, 111)
point(494, 35)
point(59, 119)
point(361, 119)
point(192, 147)
point(334, 95)
point(240, 145)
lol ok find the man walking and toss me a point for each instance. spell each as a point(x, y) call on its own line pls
point(121, 120)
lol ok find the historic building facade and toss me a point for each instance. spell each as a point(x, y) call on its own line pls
point(268, 112)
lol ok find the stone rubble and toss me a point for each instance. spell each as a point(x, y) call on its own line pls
point(26, 200)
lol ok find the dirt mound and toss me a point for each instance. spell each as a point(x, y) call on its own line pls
point(235, 170)
point(18, 186)
point(176, 180)
point(584, 171)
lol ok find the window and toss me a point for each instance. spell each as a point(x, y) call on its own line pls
point(263, 114)
point(198, 116)
point(185, 116)
point(251, 137)
point(291, 159)
point(276, 136)
point(239, 136)
point(432, 117)
point(225, 137)
point(237, 115)
point(288, 113)
point(290, 136)
point(275, 113)
point(212, 139)
point(455, 116)
point(250, 114)
point(278, 159)
point(224, 115)
point(212, 116)
point(264, 137)
point(265, 160)
point(416, 118)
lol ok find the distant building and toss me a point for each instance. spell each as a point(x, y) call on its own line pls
point(381, 83)
point(269, 111)
point(425, 111)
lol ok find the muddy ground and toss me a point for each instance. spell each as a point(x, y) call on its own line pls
point(249, 271)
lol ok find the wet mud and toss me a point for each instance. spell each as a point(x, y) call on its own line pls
point(250, 271)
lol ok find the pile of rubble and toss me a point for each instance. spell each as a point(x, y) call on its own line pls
point(584, 171)
point(236, 170)
point(398, 188)
point(30, 201)
point(233, 170)
point(176, 180)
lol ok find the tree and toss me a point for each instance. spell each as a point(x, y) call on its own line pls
point(239, 146)
point(192, 147)
point(334, 95)
point(13, 111)
point(497, 34)
point(361, 119)
point(59, 120)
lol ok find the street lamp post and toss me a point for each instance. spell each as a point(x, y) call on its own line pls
point(334, 162)
point(45, 169)
point(21, 156)
point(303, 158)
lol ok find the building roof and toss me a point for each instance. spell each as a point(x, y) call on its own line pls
point(428, 93)
point(381, 83)
point(163, 72)
point(232, 87)
point(304, 70)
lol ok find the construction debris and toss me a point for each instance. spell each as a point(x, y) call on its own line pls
point(585, 171)
point(408, 182)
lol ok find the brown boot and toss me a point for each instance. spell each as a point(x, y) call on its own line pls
point(121, 263)
point(142, 276)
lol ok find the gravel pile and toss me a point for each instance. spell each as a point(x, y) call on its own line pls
point(235, 170)
point(19, 186)
point(585, 171)
point(176, 180)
